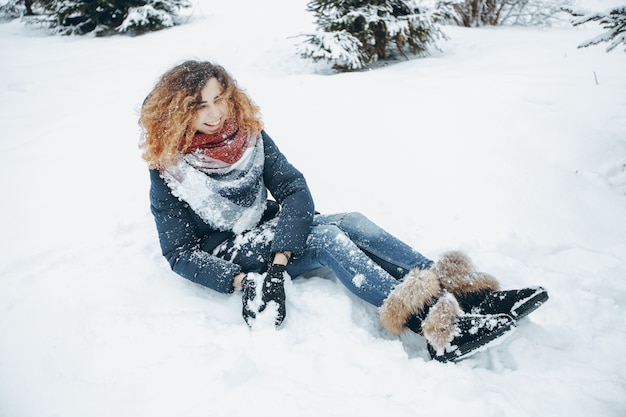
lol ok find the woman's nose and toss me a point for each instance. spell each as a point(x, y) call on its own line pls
point(211, 110)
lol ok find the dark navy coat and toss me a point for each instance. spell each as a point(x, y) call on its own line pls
point(187, 241)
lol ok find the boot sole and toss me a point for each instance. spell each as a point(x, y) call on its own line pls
point(530, 304)
point(479, 345)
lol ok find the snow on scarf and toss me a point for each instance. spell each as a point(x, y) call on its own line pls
point(228, 197)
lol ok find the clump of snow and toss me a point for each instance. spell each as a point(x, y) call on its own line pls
point(503, 145)
point(146, 16)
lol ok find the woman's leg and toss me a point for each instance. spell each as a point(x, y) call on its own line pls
point(328, 246)
point(364, 257)
point(393, 255)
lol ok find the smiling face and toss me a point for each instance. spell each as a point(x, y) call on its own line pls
point(212, 111)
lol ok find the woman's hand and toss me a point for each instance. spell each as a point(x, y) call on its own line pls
point(251, 299)
point(280, 258)
point(262, 291)
point(274, 291)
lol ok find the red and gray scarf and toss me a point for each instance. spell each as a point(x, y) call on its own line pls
point(221, 150)
point(221, 178)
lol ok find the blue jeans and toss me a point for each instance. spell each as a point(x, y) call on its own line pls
point(365, 258)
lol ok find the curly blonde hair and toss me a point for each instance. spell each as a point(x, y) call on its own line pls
point(168, 113)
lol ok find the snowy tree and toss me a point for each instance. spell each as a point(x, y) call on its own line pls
point(104, 17)
point(16, 8)
point(473, 13)
point(354, 33)
point(340, 48)
point(613, 19)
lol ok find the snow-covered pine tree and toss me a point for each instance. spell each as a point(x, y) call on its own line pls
point(474, 13)
point(12, 9)
point(613, 19)
point(354, 33)
point(103, 17)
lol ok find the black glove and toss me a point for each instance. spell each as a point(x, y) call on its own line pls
point(250, 306)
point(274, 290)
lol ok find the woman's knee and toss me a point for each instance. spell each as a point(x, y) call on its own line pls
point(356, 217)
point(355, 222)
point(326, 235)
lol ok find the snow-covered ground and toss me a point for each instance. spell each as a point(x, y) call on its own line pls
point(509, 144)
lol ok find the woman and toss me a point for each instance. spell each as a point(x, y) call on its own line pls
point(211, 168)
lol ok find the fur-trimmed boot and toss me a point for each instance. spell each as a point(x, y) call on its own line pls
point(419, 303)
point(478, 292)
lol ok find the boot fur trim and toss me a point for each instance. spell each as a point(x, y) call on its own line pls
point(439, 326)
point(419, 288)
point(459, 276)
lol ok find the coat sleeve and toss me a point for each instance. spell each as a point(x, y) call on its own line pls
point(181, 243)
point(288, 186)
